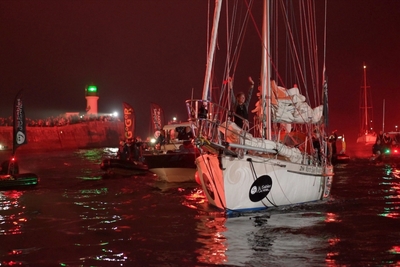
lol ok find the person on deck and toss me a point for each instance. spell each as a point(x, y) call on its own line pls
point(136, 149)
point(377, 150)
point(128, 149)
point(159, 139)
point(121, 154)
point(317, 147)
point(332, 140)
point(387, 141)
point(186, 134)
point(240, 104)
point(379, 137)
point(331, 147)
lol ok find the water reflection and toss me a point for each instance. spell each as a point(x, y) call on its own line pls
point(101, 224)
point(12, 215)
point(390, 187)
point(76, 218)
point(278, 238)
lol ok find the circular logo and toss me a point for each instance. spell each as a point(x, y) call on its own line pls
point(20, 138)
point(260, 188)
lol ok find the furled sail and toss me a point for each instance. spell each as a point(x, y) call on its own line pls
point(289, 106)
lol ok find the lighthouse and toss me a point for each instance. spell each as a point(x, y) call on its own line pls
point(91, 95)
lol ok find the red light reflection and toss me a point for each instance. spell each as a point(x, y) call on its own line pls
point(11, 218)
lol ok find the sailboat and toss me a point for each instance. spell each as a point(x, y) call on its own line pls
point(288, 163)
point(366, 136)
point(10, 178)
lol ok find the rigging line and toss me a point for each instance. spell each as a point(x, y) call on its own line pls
point(209, 169)
point(277, 180)
point(313, 50)
point(310, 45)
point(241, 35)
point(260, 37)
point(234, 49)
point(305, 22)
point(255, 178)
point(295, 52)
point(324, 78)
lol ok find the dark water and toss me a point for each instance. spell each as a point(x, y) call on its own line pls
point(76, 217)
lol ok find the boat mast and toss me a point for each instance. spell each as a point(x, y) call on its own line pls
point(365, 100)
point(265, 75)
point(211, 50)
point(383, 119)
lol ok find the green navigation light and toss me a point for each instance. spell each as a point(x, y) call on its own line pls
point(92, 88)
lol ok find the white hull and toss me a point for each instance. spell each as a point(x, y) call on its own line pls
point(279, 182)
point(367, 139)
point(175, 175)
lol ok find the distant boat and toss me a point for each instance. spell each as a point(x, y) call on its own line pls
point(366, 135)
point(174, 161)
point(131, 165)
point(10, 177)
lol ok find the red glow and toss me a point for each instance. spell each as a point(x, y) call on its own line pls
point(331, 217)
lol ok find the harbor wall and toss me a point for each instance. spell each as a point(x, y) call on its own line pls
point(89, 134)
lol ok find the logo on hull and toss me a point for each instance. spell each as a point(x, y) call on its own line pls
point(260, 188)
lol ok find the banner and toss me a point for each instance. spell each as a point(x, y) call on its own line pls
point(19, 124)
point(129, 120)
point(157, 117)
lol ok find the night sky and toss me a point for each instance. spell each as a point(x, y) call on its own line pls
point(143, 51)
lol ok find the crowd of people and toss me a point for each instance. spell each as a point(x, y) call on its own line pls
point(131, 149)
point(60, 120)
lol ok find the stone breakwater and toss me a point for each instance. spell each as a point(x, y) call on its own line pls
point(81, 135)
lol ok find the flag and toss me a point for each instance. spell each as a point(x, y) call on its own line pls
point(19, 123)
point(157, 117)
point(129, 120)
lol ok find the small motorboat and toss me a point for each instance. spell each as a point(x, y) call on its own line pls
point(10, 178)
point(17, 181)
point(123, 167)
point(174, 161)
